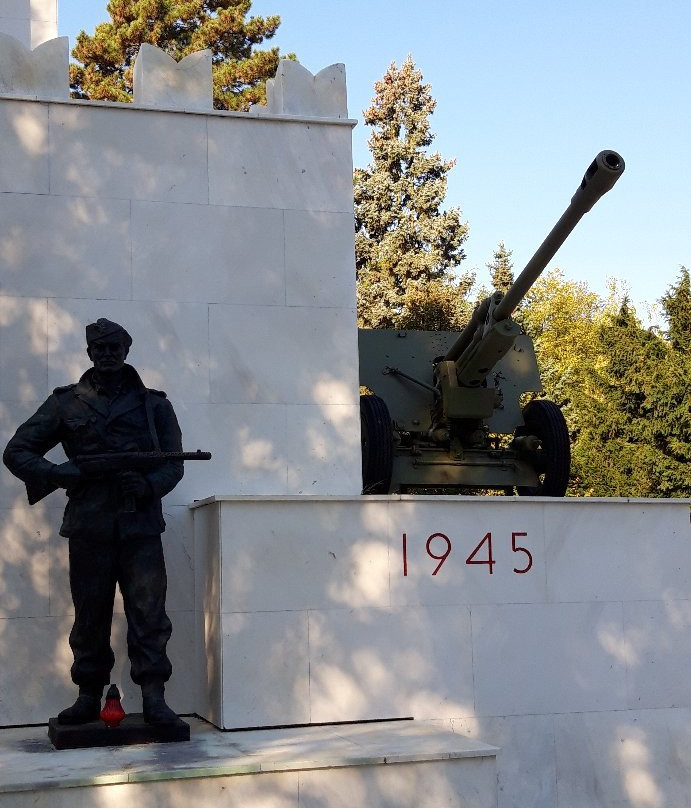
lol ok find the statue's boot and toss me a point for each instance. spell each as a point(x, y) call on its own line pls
point(156, 711)
point(86, 708)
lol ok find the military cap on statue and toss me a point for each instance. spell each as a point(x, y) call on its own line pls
point(105, 328)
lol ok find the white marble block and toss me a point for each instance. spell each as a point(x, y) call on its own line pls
point(161, 81)
point(24, 167)
point(296, 91)
point(330, 609)
point(30, 21)
point(42, 72)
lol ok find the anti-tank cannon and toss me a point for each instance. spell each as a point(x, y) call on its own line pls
point(443, 404)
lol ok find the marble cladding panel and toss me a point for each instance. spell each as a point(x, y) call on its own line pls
point(50, 244)
point(24, 167)
point(43, 31)
point(624, 760)
point(208, 652)
point(17, 27)
point(323, 447)
point(390, 663)
point(319, 259)
point(207, 559)
point(297, 556)
point(128, 154)
point(461, 783)
point(16, 8)
point(169, 349)
point(286, 165)
point(43, 9)
point(248, 446)
point(236, 255)
point(526, 760)
point(24, 562)
point(299, 355)
point(23, 350)
point(548, 658)
point(658, 653)
point(34, 676)
point(423, 576)
point(636, 568)
point(40, 70)
point(265, 669)
point(269, 449)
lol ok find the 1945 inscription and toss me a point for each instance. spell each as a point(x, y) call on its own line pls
point(438, 547)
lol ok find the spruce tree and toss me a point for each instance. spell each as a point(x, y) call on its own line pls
point(179, 27)
point(677, 306)
point(405, 243)
point(501, 268)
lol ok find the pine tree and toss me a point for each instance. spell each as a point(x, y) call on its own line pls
point(178, 27)
point(404, 240)
point(501, 268)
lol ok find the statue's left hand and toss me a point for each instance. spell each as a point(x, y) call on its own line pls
point(134, 484)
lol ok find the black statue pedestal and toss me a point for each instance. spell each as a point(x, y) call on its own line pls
point(133, 729)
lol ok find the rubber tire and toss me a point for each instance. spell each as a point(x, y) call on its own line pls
point(546, 421)
point(376, 437)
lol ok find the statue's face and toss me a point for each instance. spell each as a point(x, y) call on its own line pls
point(108, 354)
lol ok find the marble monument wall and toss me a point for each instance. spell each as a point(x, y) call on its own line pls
point(224, 242)
point(556, 629)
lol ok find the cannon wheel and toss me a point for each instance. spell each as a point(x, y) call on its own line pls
point(376, 436)
point(545, 420)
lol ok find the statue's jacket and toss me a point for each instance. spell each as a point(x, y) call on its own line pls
point(85, 422)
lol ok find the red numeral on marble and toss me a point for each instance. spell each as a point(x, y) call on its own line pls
point(440, 558)
point(405, 554)
point(518, 549)
point(490, 560)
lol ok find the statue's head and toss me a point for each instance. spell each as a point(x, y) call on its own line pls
point(107, 344)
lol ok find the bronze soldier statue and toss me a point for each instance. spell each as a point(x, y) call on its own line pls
point(110, 541)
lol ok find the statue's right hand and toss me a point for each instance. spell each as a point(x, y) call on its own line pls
point(65, 475)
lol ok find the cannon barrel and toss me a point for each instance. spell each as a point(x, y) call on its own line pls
point(600, 177)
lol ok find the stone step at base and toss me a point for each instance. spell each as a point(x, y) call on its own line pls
point(409, 764)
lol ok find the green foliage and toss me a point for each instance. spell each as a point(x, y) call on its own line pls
point(677, 306)
point(563, 318)
point(436, 305)
point(624, 390)
point(405, 243)
point(178, 27)
point(635, 430)
point(501, 268)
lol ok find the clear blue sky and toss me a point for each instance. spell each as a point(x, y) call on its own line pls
point(527, 93)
